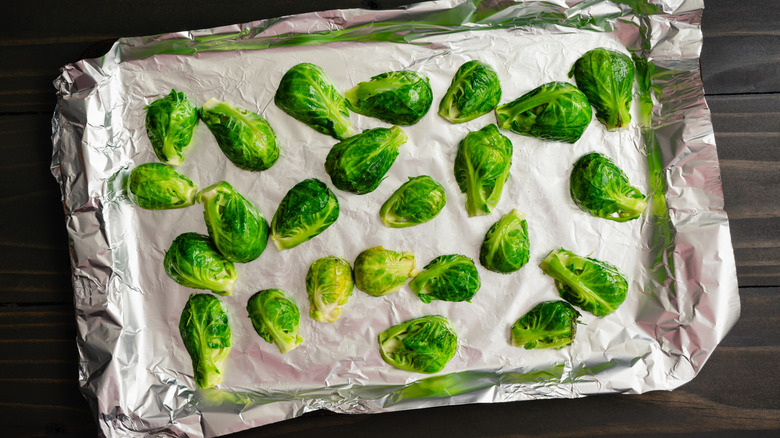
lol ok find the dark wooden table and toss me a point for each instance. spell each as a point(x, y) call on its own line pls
point(736, 394)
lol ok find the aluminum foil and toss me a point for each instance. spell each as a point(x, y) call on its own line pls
point(683, 288)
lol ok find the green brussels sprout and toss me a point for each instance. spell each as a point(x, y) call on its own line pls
point(474, 92)
point(422, 345)
point(237, 228)
point(396, 97)
point(417, 201)
point(307, 94)
point(607, 78)
point(380, 271)
point(360, 163)
point(157, 186)
point(170, 122)
point(551, 324)
point(506, 247)
point(599, 186)
point(245, 137)
point(592, 285)
point(206, 334)
point(448, 278)
point(329, 285)
point(482, 167)
point(305, 211)
point(193, 261)
point(555, 111)
point(275, 318)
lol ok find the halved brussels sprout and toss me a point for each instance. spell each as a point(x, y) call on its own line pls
point(422, 345)
point(417, 201)
point(551, 324)
point(360, 163)
point(380, 271)
point(275, 317)
point(157, 186)
point(556, 111)
point(236, 226)
point(506, 247)
point(607, 79)
point(482, 166)
point(450, 277)
point(193, 261)
point(599, 186)
point(170, 122)
point(329, 285)
point(245, 137)
point(206, 334)
point(474, 92)
point(307, 94)
point(305, 212)
point(592, 285)
point(396, 97)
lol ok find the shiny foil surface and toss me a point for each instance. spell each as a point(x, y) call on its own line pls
point(682, 298)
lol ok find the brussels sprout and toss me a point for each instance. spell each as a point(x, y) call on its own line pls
point(448, 278)
point(329, 285)
point(275, 318)
point(380, 271)
point(592, 285)
point(206, 334)
point(305, 211)
point(555, 111)
point(193, 261)
point(551, 324)
point(506, 247)
point(600, 187)
point(417, 201)
point(359, 163)
point(482, 167)
point(156, 186)
point(396, 97)
point(474, 92)
point(607, 78)
point(170, 122)
point(237, 228)
point(245, 137)
point(422, 345)
point(307, 94)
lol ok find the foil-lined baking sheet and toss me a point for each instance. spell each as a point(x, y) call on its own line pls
point(683, 290)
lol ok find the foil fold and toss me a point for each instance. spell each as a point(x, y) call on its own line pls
point(683, 297)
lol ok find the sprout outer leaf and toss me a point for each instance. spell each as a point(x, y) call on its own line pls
point(482, 166)
point(204, 328)
point(275, 317)
point(592, 285)
point(475, 91)
point(506, 247)
point(597, 185)
point(607, 79)
point(450, 277)
point(193, 261)
point(329, 285)
point(170, 122)
point(396, 97)
point(380, 271)
point(308, 94)
point(556, 111)
point(237, 228)
point(359, 164)
point(307, 210)
point(422, 345)
point(551, 324)
point(157, 186)
point(245, 137)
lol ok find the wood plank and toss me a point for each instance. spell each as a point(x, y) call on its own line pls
point(740, 52)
